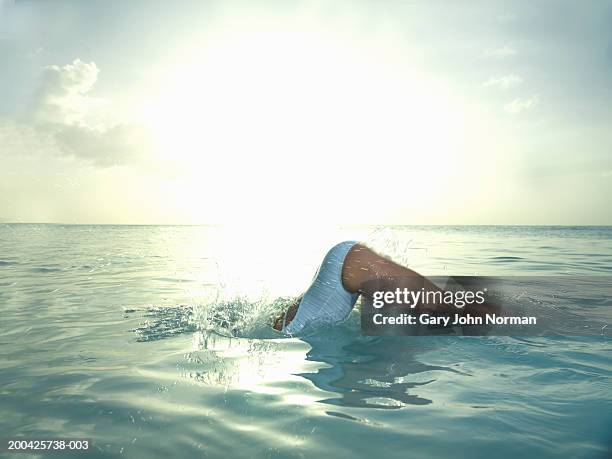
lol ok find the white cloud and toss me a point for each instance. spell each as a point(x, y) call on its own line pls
point(120, 144)
point(499, 53)
point(62, 95)
point(65, 119)
point(504, 82)
point(521, 105)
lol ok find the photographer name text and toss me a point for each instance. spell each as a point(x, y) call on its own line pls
point(445, 321)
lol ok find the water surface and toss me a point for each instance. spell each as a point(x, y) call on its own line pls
point(153, 341)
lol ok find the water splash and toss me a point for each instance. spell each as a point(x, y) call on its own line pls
point(237, 317)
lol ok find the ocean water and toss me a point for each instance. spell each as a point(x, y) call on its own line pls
point(154, 341)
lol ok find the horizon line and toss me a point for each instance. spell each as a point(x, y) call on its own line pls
point(332, 225)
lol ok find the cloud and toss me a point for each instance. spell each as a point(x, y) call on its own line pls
point(20, 138)
point(70, 79)
point(499, 53)
point(120, 144)
point(521, 105)
point(504, 82)
point(65, 119)
point(62, 95)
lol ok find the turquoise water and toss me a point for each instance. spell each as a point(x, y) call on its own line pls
point(153, 341)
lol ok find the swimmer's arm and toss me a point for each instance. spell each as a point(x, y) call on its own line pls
point(366, 272)
point(287, 316)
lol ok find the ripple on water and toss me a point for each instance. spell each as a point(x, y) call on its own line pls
point(208, 378)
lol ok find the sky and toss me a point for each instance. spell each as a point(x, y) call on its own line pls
point(306, 112)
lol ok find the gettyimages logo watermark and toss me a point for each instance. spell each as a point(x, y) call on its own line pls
point(469, 305)
point(413, 298)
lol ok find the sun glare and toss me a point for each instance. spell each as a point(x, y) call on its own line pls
point(264, 105)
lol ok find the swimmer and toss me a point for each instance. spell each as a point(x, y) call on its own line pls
point(348, 270)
